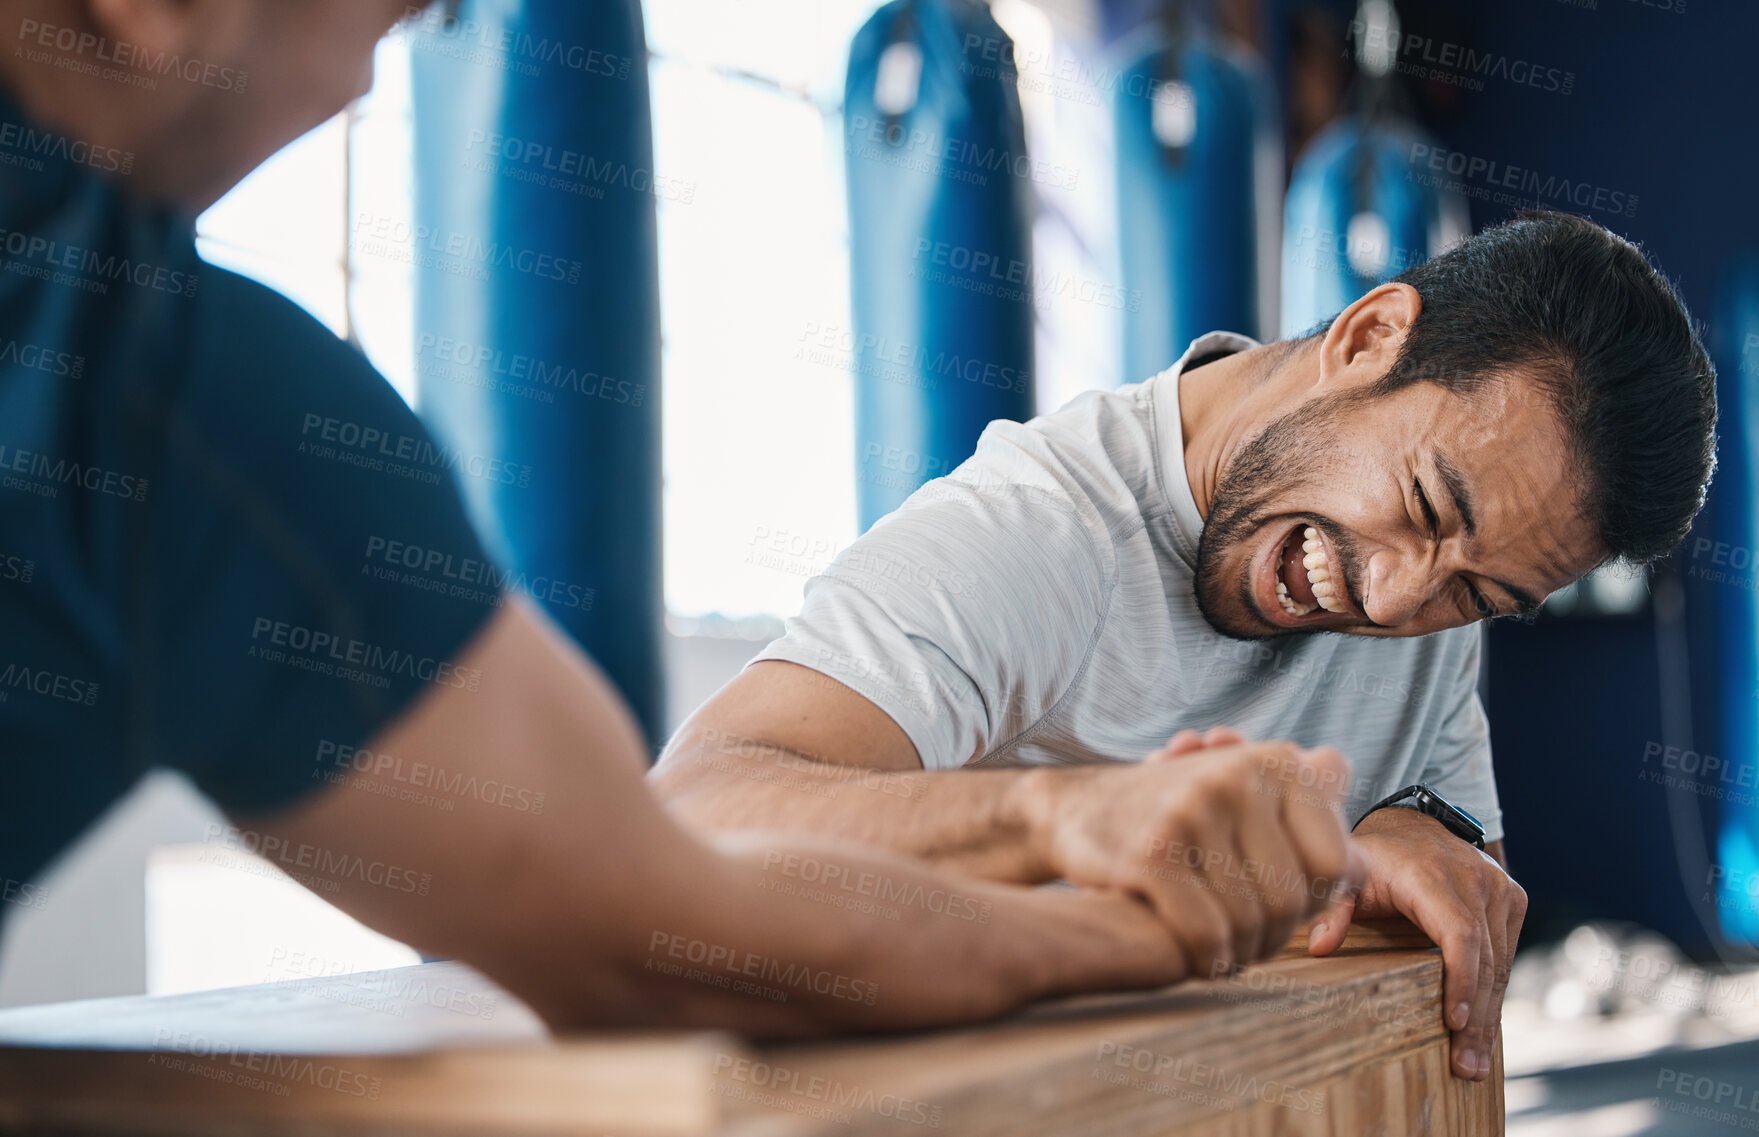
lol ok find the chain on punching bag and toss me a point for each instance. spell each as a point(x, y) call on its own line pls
point(1359, 209)
point(940, 211)
point(1199, 175)
point(537, 308)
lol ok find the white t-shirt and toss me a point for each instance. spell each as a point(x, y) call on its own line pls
point(1036, 606)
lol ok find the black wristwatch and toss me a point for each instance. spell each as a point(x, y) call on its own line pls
point(1458, 822)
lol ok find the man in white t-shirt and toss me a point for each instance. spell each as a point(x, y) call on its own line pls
point(975, 680)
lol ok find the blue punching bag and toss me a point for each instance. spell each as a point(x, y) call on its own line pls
point(1198, 186)
point(1721, 571)
point(537, 308)
point(1361, 209)
point(940, 208)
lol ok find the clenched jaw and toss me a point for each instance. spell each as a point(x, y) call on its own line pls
point(1308, 577)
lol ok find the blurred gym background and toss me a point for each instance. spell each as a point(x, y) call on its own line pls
point(733, 277)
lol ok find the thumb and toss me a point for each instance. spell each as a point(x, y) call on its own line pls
point(1327, 932)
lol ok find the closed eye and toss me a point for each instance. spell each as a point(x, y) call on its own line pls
point(1429, 514)
point(1481, 605)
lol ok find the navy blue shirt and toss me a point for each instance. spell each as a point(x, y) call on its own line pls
point(226, 545)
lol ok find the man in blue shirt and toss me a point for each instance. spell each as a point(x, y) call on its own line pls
point(194, 477)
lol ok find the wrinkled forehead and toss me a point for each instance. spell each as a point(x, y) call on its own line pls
point(1501, 453)
point(1494, 460)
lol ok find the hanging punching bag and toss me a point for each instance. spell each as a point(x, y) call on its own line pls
point(1199, 178)
point(1359, 212)
point(940, 207)
point(537, 308)
point(1721, 575)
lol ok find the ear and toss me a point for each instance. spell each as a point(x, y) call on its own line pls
point(150, 26)
point(1364, 340)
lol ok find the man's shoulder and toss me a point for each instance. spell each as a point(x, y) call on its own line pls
point(240, 319)
point(1092, 458)
point(998, 524)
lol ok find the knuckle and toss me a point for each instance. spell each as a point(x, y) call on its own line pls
point(1173, 830)
point(1329, 759)
point(1211, 793)
point(1283, 753)
point(1287, 759)
point(1156, 846)
point(1239, 769)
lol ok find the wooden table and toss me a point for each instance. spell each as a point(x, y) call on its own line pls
point(1339, 1047)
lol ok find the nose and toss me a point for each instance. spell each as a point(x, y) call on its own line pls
point(1395, 587)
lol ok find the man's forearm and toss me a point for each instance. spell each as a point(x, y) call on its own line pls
point(782, 747)
point(598, 910)
point(875, 941)
point(977, 822)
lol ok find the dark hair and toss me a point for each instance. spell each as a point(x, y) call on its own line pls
point(1560, 302)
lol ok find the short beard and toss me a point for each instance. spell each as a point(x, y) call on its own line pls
point(1272, 466)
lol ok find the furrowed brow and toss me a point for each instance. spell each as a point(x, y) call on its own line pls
point(1455, 484)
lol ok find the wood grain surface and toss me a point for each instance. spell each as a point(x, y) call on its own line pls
point(1338, 1047)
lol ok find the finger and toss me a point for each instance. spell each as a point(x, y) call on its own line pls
point(1308, 786)
point(1190, 742)
point(1470, 1046)
point(1222, 736)
point(1240, 831)
point(1185, 901)
point(1275, 883)
point(1478, 1040)
point(1462, 935)
point(1182, 743)
point(1328, 932)
point(1243, 901)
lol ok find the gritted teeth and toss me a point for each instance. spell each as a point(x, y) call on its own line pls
point(1289, 603)
point(1321, 572)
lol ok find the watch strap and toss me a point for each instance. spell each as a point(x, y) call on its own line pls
point(1431, 804)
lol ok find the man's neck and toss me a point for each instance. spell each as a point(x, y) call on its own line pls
point(159, 125)
point(1223, 404)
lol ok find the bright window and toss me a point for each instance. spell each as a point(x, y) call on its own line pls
point(758, 432)
point(759, 438)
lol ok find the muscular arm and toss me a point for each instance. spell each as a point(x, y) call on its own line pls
point(1175, 830)
point(783, 745)
point(583, 907)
